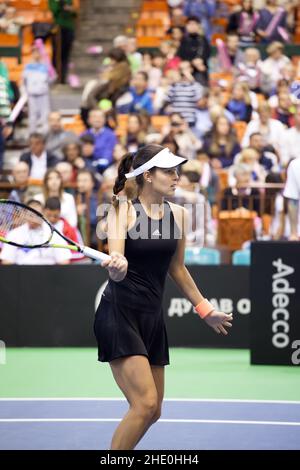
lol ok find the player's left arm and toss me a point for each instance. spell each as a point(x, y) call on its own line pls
point(177, 270)
point(182, 278)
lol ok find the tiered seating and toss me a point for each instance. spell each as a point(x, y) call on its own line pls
point(153, 23)
point(31, 11)
point(74, 124)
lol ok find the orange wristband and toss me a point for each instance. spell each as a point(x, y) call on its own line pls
point(204, 308)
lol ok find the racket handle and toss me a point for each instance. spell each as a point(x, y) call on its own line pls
point(94, 254)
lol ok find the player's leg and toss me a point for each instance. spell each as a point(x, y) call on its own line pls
point(134, 376)
point(158, 373)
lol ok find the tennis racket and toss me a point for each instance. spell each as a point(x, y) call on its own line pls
point(14, 215)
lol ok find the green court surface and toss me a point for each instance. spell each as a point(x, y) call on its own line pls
point(193, 373)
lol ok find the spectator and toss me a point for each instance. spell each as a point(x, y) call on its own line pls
point(135, 136)
point(72, 154)
point(195, 48)
point(65, 169)
point(6, 131)
point(57, 137)
point(184, 95)
point(52, 213)
point(3, 7)
point(20, 174)
point(134, 57)
point(36, 81)
point(105, 138)
point(221, 143)
point(154, 70)
point(38, 159)
point(231, 52)
point(285, 111)
point(177, 33)
point(38, 256)
point(209, 181)
point(267, 158)
point(114, 80)
point(250, 69)
point(87, 204)
point(204, 10)
point(170, 143)
point(241, 195)
point(272, 67)
point(243, 22)
point(187, 142)
point(272, 131)
point(10, 23)
point(6, 92)
point(200, 229)
point(291, 148)
point(275, 209)
point(203, 122)
point(110, 175)
point(88, 152)
point(169, 50)
point(240, 102)
point(64, 13)
point(249, 157)
point(282, 87)
point(53, 187)
point(141, 98)
point(266, 16)
point(292, 193)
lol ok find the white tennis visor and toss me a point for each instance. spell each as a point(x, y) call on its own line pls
point(163, 159)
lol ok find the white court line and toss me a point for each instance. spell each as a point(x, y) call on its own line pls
point(188, 400)
point(112, 420)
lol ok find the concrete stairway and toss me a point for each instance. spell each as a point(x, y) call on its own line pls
point(100, 21)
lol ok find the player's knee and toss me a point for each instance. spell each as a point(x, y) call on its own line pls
point(157, 414)
point(148, 407)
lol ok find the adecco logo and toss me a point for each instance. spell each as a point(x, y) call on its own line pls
point(295, 89)
point(296, 353)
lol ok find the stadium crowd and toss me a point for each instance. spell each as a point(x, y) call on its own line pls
point(227, 100)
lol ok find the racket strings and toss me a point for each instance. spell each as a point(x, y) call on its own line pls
point(12, 216)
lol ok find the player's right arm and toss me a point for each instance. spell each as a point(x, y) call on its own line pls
point(117, 222)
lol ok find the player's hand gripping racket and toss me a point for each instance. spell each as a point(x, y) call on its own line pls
point(14, 215)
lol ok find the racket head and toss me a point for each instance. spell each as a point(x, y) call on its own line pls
point(23, 226)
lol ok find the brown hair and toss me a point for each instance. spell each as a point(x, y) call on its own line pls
point(45, 183)
point(133, 160)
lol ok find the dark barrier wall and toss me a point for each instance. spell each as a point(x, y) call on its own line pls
point(54, 306)
point(275, 294)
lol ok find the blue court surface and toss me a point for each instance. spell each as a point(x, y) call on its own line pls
point(88, 424)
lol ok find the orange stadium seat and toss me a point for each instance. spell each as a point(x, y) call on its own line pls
point(159, 122)
point(150, 27)
point(148, 41)
point(155, 6)
point(9, 40)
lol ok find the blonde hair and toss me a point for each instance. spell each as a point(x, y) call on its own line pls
point(245, 87)
point(248, 153)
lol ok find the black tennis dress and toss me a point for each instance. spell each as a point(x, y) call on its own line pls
point(129, 320)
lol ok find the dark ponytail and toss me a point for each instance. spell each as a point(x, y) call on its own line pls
point(124, 167)
point(133, 160)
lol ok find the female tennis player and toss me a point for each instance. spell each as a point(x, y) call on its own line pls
point(146, 242)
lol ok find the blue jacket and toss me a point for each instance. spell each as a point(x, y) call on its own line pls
point(142, 101)
point(105, 141)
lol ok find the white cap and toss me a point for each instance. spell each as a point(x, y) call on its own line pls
point(163, 159)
